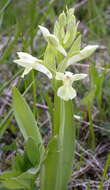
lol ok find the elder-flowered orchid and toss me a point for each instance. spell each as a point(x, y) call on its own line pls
point(67, 92)
point(29, 62)
point(52, 40)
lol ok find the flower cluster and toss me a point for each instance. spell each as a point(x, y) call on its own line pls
point(68, 46)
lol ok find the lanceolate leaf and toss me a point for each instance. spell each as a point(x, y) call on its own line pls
point(49, 168)
point(33, 151)
point(66, 145)
point(25, 118)
point(57, 167)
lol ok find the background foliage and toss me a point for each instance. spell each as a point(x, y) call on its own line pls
point(19, 22)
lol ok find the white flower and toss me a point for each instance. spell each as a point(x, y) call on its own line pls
point(84, 53)
point(29, 62)
point(53, 40)
point(67, 92)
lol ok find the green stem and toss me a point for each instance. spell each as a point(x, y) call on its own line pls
point(91, 128)
point(56, 115)
point(56, 112)
point(57, 167)
point(34, 94)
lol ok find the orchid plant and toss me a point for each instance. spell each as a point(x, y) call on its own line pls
point(52, 164)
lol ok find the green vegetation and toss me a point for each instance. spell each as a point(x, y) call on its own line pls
point(88, 113)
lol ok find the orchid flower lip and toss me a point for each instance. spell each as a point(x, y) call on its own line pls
point(66, 91)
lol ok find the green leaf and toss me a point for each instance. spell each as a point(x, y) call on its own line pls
point(66, 145)
point(49, 168)
point(25, 118)
point(9, 180)
point(57, 167)
point(33, 151)
point(18, 163)
point(12, 180)
point(23, 174)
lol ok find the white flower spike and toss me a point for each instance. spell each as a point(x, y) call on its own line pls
point(67, 92)
point(29, 62)
point(53, 40)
